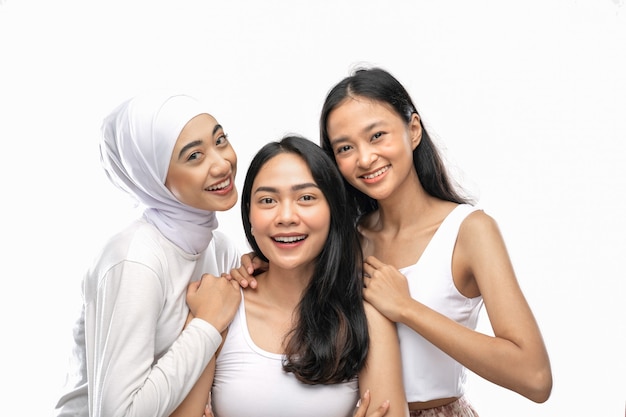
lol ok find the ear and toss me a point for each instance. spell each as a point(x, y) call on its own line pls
point(415, 130)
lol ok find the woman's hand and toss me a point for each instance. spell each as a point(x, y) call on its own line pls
point(385, 288)
point(208, 412)
point(363, 406)
point(214, 299)
point(251, 265)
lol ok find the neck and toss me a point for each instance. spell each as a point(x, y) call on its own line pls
point(403, 207)
point(285, 286)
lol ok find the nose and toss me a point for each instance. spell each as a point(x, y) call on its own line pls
point(367, 156)
point(287, 214)
point(220, 166)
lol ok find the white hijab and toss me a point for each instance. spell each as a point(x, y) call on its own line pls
point(138, 139)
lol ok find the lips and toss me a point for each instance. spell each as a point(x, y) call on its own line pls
point(220, 185)
point(289, 239)
point(375, 174)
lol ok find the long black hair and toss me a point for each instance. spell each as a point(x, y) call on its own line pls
point(330, 341)
point(379, 85)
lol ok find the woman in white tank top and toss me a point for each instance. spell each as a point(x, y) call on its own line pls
point(304, 343)
point(432, 259)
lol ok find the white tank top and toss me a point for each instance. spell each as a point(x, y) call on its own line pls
point(428, 372)
point(251, 382)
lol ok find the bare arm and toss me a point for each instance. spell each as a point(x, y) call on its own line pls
point(194, 405)
point(516, 357)
point(363, 407)
point(382, 375)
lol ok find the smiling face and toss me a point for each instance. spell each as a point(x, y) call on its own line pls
point(202, 169)
point(289, 214)
point(372, 145)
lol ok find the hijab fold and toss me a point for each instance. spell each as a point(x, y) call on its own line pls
point(138, 139)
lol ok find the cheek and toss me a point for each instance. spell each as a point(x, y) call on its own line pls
point(345, 165)
point(179, 190)
point(174, 183)
point(232, 157)
point(258, 221)
point(323, 221)
point(347, 170)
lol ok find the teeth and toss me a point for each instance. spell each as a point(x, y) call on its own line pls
point(289, 239)
point(375, 174)
point(219, 186)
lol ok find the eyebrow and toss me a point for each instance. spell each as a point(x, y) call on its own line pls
point(198, 142)
point(369, 127)
point(296, 187)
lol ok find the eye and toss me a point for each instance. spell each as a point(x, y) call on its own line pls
point(343, 149)
point(266, 200)
point(194, 155)
point(308, 197)
point(377, 135)
point(222, 140)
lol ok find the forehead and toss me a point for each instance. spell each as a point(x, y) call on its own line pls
point(284, 169)
point(355, 110)
point(199, 126)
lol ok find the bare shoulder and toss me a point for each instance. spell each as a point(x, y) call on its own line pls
point(480, 246)
point(481, 256)
point(478, 225)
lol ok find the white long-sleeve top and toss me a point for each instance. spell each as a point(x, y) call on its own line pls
point(131, 356)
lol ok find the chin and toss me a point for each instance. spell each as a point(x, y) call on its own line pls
point(222, 205)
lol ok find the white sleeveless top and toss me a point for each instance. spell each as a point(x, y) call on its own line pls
point(242, 367)
point(428, 372)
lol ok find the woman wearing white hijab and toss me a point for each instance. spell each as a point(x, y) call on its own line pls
point(131, 356)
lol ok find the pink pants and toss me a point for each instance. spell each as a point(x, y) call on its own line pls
point(458, 408)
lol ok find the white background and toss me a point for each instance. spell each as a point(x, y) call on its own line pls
point(527, 98)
